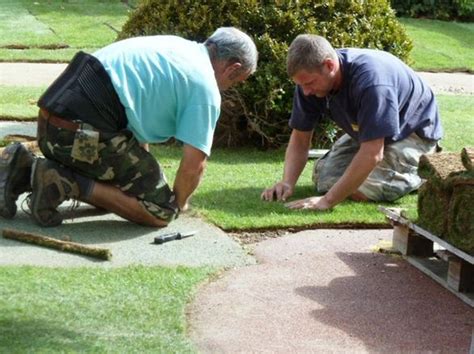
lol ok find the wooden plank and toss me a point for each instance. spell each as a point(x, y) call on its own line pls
point(400, 238)
point(452, 268)
point(434, 266)
point(460, 275)
point(471, 351)
point(461, 254)
point(437, 270)
point(419, 246)
point(409, 243)
point(395, 216)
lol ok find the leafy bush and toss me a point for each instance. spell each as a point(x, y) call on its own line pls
point(435, 9)
point(257, 111)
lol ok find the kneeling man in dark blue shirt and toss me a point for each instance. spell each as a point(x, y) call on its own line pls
point(389, 116)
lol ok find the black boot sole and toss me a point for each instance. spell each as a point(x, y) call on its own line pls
point(55, 219)
point(13, 182)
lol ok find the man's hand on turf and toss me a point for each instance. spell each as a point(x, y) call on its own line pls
point(280, 192)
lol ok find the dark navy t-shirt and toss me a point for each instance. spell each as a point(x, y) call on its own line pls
point(380, 97)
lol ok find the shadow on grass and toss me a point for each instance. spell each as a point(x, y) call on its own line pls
point(41, 336)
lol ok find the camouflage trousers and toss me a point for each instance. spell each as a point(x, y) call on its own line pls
point(119, 161)
point(394, 177)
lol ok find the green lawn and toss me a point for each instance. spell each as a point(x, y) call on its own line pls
point(125, 310)
point(142, 309)
point(457, 115)
point(54, 30)
point(441, 45)
point(18, 102)
point(34, 27)
point(229, 195)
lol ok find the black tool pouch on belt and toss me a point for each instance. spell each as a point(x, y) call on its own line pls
point(84, 92)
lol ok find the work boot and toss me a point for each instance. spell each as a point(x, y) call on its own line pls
point(15, 171)
point(52, 184)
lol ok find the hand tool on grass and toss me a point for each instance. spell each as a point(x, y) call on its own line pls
point(173, 236)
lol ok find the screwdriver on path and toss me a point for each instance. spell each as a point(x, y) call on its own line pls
point(173, 236)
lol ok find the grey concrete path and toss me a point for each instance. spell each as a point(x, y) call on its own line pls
point(22, 128)
point(450, 83)
point(29, 74)
point(37, 74)
point(129, 243)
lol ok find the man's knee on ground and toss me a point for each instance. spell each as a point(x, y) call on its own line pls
point(163, 213)
point(156, 222)
point(384, 191)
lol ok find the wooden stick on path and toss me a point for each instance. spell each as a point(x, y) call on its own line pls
point(66, 246)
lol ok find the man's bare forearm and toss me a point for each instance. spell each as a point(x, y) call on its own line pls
point(185, 184)
point(189, 174)
point(295, 160)
point(363, 163)
point(296, 156)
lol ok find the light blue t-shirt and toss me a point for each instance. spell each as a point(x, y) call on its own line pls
point(167, 86)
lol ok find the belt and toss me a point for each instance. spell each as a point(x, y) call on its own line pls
point(59, 122)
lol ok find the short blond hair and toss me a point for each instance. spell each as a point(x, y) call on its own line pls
point(308, 52)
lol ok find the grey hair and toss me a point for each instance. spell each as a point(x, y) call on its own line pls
point(234, 46)
point(308, 52)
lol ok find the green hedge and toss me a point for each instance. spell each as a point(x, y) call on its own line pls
point(257, 111)
point(435, 9)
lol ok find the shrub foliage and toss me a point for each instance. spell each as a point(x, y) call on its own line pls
point(257, 111)
point(436, 9)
